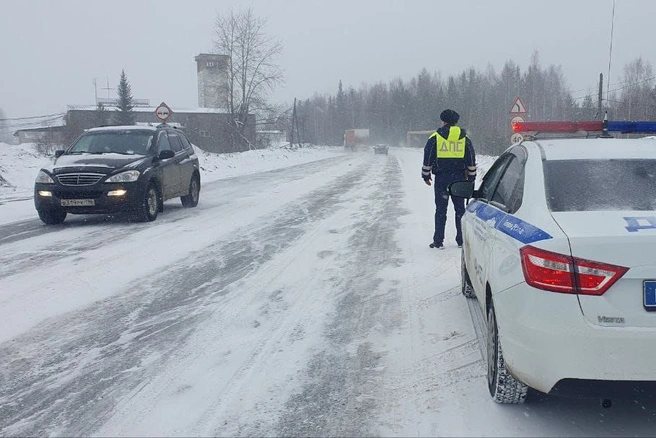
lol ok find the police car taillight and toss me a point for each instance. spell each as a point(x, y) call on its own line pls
point(555, 272)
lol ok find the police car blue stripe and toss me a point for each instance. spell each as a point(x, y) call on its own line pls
point(508, 224)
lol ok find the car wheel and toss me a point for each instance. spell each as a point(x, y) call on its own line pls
point(465, 281)
point(149, 207)
point(191, 198)
point(51, 216)
point(504, 388)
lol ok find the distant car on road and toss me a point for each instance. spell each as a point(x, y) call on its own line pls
point(130, 169)
point(559, 252)
point(381, 149)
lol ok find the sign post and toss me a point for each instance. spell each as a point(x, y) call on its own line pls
point(517, 111)
point(163, 112)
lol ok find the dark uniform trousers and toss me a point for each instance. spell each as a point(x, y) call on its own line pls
point(442, 181)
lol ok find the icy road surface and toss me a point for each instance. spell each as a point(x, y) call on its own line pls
point(298, 302)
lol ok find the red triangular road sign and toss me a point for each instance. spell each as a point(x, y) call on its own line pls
point(518, 107)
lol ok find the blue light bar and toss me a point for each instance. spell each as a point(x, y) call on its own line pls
point(632, 127)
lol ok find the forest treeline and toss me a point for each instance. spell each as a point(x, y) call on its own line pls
point(483, 99)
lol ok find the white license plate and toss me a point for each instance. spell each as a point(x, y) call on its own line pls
point(78, 202)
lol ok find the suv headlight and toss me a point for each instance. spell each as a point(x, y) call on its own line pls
point(44, 178)
point(123, 177)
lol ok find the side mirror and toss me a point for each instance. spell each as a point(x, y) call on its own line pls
point(461, 189)
point(165, 155)
point(59, 153)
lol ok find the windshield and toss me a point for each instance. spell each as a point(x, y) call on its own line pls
point(128, 142)
point(587, 185)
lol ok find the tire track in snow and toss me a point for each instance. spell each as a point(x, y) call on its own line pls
point(65, 376)
point(81, 233)
point(340, 396)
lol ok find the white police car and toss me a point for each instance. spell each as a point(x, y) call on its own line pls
point(560, 251)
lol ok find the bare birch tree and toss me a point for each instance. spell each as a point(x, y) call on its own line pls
point(253, 71)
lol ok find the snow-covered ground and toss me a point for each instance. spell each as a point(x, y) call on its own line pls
point(19, 165)
point(298, 301)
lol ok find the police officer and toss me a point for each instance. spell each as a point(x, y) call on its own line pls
point(450, 156)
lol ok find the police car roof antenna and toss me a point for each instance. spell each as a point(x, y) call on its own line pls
point(604, 131)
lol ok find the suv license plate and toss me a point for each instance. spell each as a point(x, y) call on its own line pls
point(649, 287)
point(78, 202)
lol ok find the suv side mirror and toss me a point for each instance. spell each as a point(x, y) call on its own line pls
point(59, 153)
point(461, 189)
point(166, 154)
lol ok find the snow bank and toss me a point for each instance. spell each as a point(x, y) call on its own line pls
point(219, 166)
point(19, 165)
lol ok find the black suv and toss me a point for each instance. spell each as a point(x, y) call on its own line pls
point(119, 169)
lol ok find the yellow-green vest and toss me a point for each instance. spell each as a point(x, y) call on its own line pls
point(451, 147)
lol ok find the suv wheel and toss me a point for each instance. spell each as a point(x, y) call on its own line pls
point(149, 207)
point(504, 388)
point(465, 281)
point(191, 198)
point(51, 216)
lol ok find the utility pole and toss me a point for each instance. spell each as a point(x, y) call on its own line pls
point(298, 134)
point(601, 88)
point(295, 128)
point(291, 138)
point(107, 88)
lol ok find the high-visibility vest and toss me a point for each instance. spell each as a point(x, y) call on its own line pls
point(451, 147)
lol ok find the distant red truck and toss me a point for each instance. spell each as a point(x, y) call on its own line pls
point(355, 139)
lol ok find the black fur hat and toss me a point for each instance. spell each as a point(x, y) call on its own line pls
point(449, 116)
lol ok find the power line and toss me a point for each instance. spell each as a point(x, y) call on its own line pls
point(44, 123)
point(630, 83)
point(32, 122)
point(627, 85)
point(32, 117)
point(592, 88)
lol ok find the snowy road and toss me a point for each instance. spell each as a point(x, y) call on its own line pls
point(298, 302)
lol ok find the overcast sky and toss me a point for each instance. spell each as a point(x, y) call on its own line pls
point(50, 51)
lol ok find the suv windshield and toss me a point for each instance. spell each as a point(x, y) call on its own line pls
point(594, 185)
point(128, 142)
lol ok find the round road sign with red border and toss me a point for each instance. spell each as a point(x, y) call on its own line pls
point(163, 112)
point(516, 119)
point(516, 138)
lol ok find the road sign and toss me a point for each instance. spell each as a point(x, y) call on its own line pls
point(163, 112)
point(516, 119)
point(516, 138)
point(518, 107)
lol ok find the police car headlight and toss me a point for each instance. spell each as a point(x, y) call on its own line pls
point(44, 178)
point(123, 177)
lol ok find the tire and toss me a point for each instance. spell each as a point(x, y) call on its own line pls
point(52, 216)
point(149, 208)
point(465, 282)
point(193, 195)
point(504, 388)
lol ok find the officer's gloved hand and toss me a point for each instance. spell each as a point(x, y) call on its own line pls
point(427, 180)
